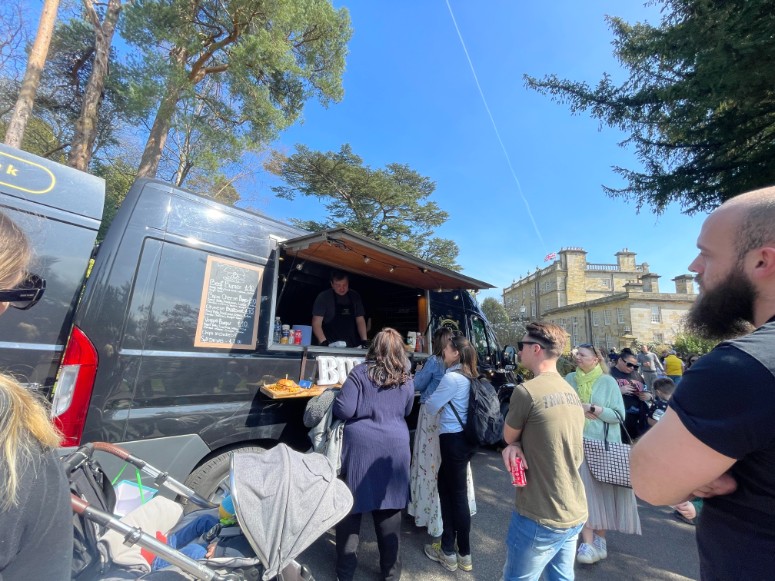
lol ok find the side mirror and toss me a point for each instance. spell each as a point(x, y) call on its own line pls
point(509, 358)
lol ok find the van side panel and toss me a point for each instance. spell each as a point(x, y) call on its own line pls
point(60, 210)
point(141, 313)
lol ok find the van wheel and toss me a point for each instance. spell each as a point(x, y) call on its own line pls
point(211, 479)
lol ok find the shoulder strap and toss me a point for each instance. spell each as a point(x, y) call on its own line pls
point(621, 423)
point(457, 415)
point(454, 411)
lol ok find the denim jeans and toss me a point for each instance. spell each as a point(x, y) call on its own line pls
point(532, 549)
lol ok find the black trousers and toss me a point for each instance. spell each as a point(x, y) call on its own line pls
point(387, 525)
point(456, 452)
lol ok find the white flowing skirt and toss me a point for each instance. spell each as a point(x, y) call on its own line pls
point(424, 504)
point(611, 507)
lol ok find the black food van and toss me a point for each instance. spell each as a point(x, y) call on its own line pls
point(164, 348)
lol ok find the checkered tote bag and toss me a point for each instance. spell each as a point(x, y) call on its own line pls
point(609, 462)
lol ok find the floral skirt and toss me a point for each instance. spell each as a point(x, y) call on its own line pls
point(424, 505)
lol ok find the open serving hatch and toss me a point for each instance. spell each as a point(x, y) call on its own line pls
point(343, 249)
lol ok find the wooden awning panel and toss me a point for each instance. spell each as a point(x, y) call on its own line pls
point(344, 249)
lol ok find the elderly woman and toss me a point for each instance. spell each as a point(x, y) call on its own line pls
point(374, 401)
point(610, 507)
point(426, 455)
point(35, 514)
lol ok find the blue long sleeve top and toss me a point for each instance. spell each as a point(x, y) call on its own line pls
point(454, 388)
point(427, 379)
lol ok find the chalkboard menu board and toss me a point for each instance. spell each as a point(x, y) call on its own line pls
point(228, 317)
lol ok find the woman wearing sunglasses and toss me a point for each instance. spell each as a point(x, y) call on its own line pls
point(634, 392)
point(610, 507)
point(35, 515)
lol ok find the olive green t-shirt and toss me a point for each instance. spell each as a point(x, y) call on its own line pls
point(549, 413)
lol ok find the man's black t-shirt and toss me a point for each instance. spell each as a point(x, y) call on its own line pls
point(727, 401)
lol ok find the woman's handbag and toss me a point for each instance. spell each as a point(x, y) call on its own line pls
point(609, 462)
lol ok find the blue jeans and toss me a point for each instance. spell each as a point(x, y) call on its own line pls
point(532, 549)
point(184, 540)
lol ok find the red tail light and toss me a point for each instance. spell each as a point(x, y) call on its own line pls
point(73, 389)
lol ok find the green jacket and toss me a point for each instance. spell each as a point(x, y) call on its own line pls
point(606, 394)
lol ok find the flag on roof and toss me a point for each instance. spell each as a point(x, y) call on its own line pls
point(550, 256)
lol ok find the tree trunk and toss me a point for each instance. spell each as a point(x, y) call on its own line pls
point(149, 164)
point(86, 127)
point(35, 63)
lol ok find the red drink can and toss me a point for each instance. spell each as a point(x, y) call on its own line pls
point(297, 337)
point(518, 472)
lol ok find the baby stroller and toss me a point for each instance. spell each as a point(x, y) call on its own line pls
point(283, 501)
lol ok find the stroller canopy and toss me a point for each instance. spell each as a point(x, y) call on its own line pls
point(284, 501)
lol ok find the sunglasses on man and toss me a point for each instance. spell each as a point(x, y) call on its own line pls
point(26, 294)
point(521, 344)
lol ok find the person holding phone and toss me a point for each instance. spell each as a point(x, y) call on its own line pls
point(634, 392)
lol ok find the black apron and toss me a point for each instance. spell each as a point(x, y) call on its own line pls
point(342, 327)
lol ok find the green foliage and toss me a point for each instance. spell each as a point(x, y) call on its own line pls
point(699, 103)
point(243, 69)
point(60, 96)
point(692, 345)
point(389, 205)
point(39, 138)
point(215, 186)
point(119, 175)
point(495, 312)
point(565, 365)
point(507, 332)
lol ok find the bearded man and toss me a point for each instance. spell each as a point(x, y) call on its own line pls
point(717, 439)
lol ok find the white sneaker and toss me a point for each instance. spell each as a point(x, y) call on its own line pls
point(587, 554)
point(599, 545)
point(435, 553)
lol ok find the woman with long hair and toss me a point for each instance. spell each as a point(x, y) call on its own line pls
point(454, 389)
point(610, 507)
point(374, 401)
point(35, 515)
point(424, 505)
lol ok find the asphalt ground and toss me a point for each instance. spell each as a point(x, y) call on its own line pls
point(665, 551)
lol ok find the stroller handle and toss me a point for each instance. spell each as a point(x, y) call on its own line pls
point(160, 479)
point(133, 535)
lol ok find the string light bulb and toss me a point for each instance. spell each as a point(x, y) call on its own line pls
point(392, 268)
point(366, 259)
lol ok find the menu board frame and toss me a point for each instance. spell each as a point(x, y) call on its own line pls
point(211, 260)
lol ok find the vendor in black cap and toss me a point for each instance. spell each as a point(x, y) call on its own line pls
point(338, 314)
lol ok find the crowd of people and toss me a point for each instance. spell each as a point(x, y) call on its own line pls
point(697, 447)
point(705, 454)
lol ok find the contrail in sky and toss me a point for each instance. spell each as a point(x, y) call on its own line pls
point(495, 127)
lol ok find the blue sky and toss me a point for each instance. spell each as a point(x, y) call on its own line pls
point(410, 97)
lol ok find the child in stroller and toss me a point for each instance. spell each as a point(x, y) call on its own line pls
point(304, 489)
point(203, 535)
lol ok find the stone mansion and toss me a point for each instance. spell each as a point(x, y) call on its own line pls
point(608, 305)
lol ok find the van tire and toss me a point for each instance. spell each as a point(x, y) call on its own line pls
point(208, 478)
